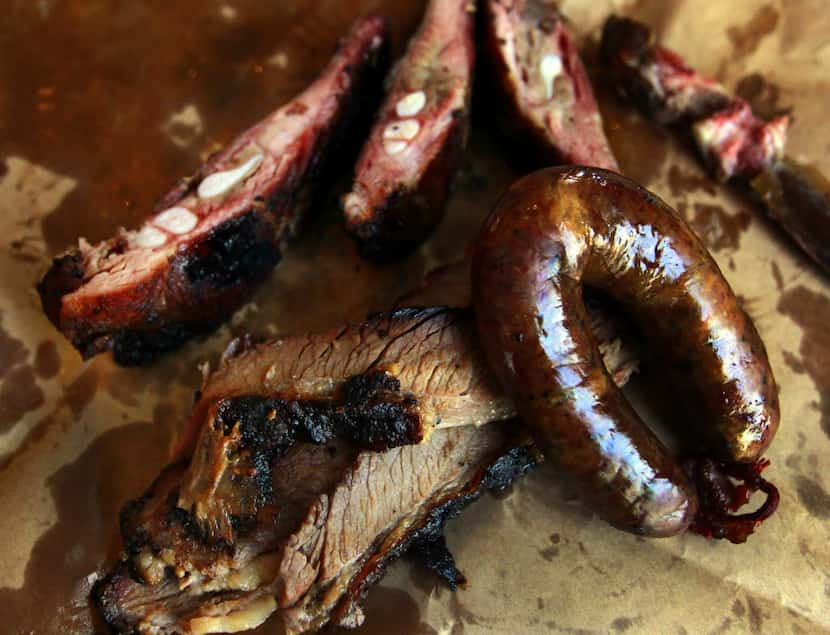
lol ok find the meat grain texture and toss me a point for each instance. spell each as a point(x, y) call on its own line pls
point(277, 511)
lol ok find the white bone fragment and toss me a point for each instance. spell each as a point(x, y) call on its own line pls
point(393, 146)
point(150, 237)
point(176, 220)
point(411, 104)
point(404, 130)
point(220, 183)
point(550, 67)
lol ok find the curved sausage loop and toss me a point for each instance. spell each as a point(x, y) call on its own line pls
point(561, 227)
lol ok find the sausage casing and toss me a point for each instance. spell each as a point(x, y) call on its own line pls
point(560, 228)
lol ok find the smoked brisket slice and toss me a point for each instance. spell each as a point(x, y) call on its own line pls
point(216, 235)
point(289, 502)
point(337, 516)
point(432, 354)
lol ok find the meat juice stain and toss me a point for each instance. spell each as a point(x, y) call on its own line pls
point(658, 14)
point(388, 611)
point(19, 394)
point(682, 182)
point(76, 396)
point(12, 350)
point(811, 311)
point(127, 98)
point(47, 362)
point(88, 495)
point(745, 39)
point(640, 146)
point(718, 229)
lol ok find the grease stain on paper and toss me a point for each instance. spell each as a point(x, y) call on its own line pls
point(72, 554)
point(745, 39)
point(19, 395)
point(811, 311)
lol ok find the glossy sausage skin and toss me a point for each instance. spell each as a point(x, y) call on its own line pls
point(561, 227)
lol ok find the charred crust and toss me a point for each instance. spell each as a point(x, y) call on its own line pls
point(132, 531)
point(64, 276)
point(626, 46)
point(518, 462)
point(136, 348)
point(209, 279)
point(369, 410)
point(625, 41)
point(238, 250)
point(397, 227)
point(111, 594)
point(432, 551)
point(627, 49)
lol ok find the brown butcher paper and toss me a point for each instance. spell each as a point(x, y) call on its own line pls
point(104, 105)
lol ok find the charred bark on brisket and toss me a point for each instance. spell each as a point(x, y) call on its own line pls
point(215, 538)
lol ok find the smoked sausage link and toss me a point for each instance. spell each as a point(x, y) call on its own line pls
point(560, 228)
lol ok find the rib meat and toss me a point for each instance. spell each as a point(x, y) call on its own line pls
point(307, 477)
point(735, 143)
point(406, 168)
point(546, 105)
point(216, 235)
point(732, 140)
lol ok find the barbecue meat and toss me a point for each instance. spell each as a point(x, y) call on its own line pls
point(730, 138)
point(336, 517)
point(736, 144)
point(407, 166)
point(287, 502)
point(216, 235)
point(544, 102)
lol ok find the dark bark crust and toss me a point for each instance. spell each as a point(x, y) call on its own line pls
point(112, 594)
point(628, 50)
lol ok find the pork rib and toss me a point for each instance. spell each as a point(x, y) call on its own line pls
point(285, 506)
point(546, 104)
point(735, 143)
point(407, 166)
point(216, 235)
point(732, 140)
